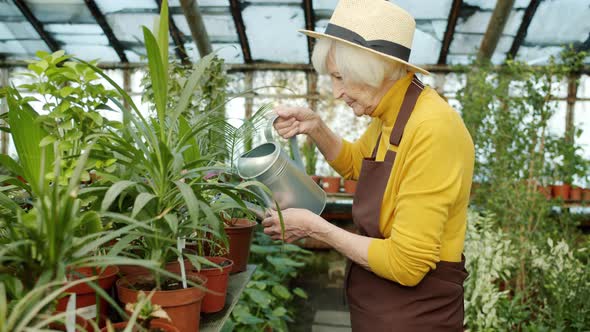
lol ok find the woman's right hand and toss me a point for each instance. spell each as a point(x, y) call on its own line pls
point(295, 120)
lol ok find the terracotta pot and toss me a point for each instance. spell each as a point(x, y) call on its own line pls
point(576, 194)
point(217, 280)
point(350, 186)
point(240, 237)
point(331, 184)
point(154, 325)
point(183, 306)
point(86, 296)
point(135, 270)
point(81, 325)
point(545, 191)
point(561, 191)
point(316, 179)
point(586, 195)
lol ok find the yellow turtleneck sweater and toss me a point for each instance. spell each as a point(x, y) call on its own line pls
point(424, 208)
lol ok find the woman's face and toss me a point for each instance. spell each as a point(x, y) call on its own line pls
point(363, 99)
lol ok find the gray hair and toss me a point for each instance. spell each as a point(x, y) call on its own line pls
point(355, 64)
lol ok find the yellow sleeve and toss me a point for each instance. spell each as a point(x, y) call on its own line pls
point(350, 158)
point(430, 184)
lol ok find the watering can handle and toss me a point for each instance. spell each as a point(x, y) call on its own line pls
point(292, 141)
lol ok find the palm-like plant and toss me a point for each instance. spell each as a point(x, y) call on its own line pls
point(163, 168)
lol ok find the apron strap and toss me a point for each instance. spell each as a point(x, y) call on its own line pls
point(412, 94)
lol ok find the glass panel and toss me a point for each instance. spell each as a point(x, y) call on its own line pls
point(465, 43)
point(237, 83)
point(82, 39)
point(425, 48)
point(22, 30)
point(231, 53)
point(128, 27)
point(132, 56)
point(556, 123)
point(7, 9)
point(429, 9)
point(537, 55)
point(582, 121)
point(584, 88)
point(235, 111)
point(111, 6)
point(23, 49)
point(72, 11)
point(91, 52)
point(78, 29)
point(135, 84)
point(282, 43)
point(324, 4)
point(220, 28)
point(559, 22)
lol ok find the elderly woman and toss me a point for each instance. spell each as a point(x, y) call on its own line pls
point(413, 164)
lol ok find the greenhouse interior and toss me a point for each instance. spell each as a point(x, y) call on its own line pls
point(212, 165)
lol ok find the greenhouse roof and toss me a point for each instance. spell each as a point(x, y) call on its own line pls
point(244, 32)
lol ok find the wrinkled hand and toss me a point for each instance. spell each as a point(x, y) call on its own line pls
point(295, 120)
point(297, 224)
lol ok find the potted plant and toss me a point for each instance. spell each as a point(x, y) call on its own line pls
point(145, 315)
point(56, 237)
point(160, 181)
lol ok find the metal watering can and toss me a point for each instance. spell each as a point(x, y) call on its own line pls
point(286, 178)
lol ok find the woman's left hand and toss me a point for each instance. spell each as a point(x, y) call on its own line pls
point(298, 223)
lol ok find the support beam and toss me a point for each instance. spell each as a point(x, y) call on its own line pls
point(450, 32)
point(37, 25)
point(126, 85)
point(309, 25)
point(495, 29)
point(191, 11)
point(236, 13)
point(104, 25)
point(523, 28)
point(176, 36)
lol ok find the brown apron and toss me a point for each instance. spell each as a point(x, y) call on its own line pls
point(377, 304)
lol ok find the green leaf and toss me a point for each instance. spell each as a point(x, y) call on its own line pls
point(27, 134)
point(262, 298)
point(300, 292)
point(282, 261)
point(47, 140)
point(163, 35)
point(114, 192)
point(140, 202)
point(242, 314)
point(158, 77)
point(66, 91)
point(281, 291)
point(279, 312)
point(192, 204)
point(12, 165)
point(90, 223)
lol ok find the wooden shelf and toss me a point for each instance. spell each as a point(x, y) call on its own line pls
point(237, 283)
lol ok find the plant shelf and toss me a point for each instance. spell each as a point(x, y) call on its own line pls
point(237, 283)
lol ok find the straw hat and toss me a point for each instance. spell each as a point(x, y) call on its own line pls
point(377, 26)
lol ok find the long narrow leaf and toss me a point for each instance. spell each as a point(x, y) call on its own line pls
point(114, 192)
point(157, 77)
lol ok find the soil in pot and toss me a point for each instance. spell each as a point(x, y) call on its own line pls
point(239, 233)
point(183, 305)
point(86, 296)
point(217, 280)
point(81, 325)
point(155, 326)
